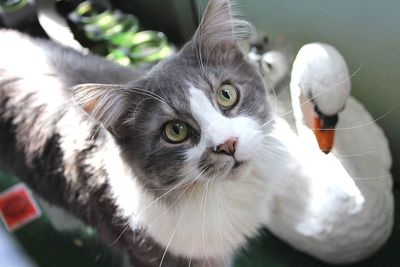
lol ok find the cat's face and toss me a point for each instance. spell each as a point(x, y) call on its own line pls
point(204, 120)
point(195, 116)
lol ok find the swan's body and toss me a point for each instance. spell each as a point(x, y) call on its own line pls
point(337, 207)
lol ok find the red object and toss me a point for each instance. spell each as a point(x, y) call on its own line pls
point(17, 207)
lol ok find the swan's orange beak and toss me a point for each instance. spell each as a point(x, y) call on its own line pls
point(325, 134)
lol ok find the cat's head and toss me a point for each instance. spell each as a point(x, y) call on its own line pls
point(195, 116)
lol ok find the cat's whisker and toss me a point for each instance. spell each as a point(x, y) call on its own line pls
point(191, 169)
point(169, 243)
point(271, 152)
point(371, 178)
point(352, 127)
point(229, 215)
point(150, 94)
point(180, 195)
point(209, 53)
point(266, 124)
point(275, 97)
point(96, 131)
point(333, 86)
point(120, 235)
point(205, 195)
point(153, 202)
point(356, 154)
point(199, 51)
point(219, 224)
point(361, 125)
point(169, 189)
point(275, 109)
point(140, 212)
point(160, 88)
point(177, 224)
point(271, 144)
point(191, 256)
point(163, 100)
point(137, 107)
point(163, 195)
point(191, 251)
point(182, 183)
point(195, 179)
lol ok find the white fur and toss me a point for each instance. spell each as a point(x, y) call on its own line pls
point(125, 187)
point(208, 221)
point(212, 218)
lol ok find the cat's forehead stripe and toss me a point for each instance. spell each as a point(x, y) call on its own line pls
point(217, 127)
point(203, 111)
point(201, 107)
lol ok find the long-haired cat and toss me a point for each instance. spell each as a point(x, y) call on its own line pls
point(173, 173)
point(168, 164)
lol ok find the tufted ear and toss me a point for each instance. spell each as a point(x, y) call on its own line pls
point(106, 103)
point(221, 26)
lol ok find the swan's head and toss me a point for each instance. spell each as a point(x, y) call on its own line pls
point(321, 75)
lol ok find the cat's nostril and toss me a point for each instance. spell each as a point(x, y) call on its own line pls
point(228, 147)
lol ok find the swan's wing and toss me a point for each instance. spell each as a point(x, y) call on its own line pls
point(361, 144)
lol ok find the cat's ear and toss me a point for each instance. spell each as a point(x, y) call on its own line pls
point(220, 25)
point(106, 103)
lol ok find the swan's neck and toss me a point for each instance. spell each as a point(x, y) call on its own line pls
point(303, 113)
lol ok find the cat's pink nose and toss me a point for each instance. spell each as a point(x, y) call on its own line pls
point(228, 147)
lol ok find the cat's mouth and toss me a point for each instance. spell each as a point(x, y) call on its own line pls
point(238, 167)
point(237, 164)
point(223, 166)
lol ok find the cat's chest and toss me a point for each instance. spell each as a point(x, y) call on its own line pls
point(209, 220)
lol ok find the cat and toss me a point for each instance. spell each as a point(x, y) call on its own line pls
point(143, 150)
point(179, 165)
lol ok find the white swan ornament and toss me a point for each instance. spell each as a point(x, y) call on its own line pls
point(337, 206)
point(275, 65)
point(320, 79)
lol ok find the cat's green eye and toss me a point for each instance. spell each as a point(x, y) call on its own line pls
point(227, 96)
point(176, 131)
